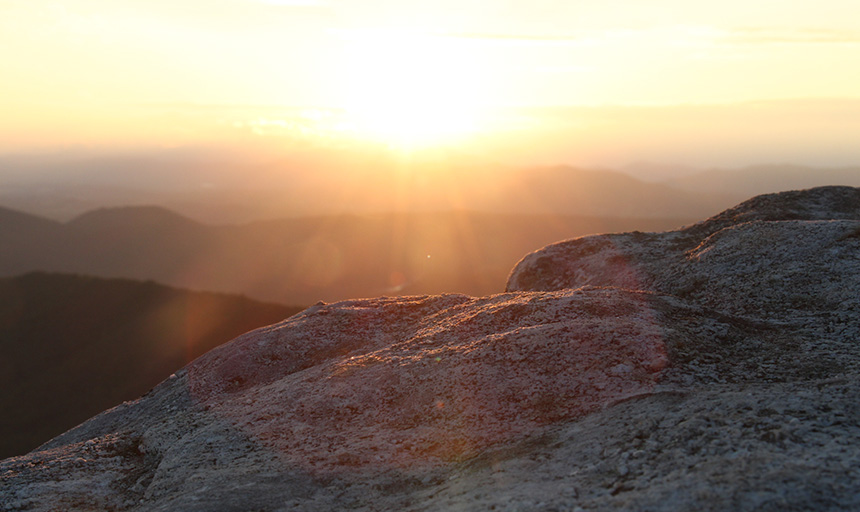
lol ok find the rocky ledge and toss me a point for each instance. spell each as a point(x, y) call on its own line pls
point(710, 368)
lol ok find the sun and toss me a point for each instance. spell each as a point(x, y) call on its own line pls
point(411, 91)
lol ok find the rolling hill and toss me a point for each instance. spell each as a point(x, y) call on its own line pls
point(71, 346)
point(297, 260)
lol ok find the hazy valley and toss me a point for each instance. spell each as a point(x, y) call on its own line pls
point(306, 229)
point(218, 187)
point(298, 260)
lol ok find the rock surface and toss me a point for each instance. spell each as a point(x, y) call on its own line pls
point(710, 368)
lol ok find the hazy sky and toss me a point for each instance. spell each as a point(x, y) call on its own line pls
point(413, 72)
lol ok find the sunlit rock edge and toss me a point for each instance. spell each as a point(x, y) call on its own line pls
point(710, 368)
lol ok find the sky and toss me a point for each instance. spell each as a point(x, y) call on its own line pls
point(565, 81)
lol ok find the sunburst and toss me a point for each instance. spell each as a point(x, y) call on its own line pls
point(411, 90)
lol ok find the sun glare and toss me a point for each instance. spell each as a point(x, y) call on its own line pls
point(411, 91)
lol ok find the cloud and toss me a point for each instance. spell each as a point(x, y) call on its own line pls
point(764, 35)
point(517, 38)
point(295, 3)
point(392, 36)
point(690, 34)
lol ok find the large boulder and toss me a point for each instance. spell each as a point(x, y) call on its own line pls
point(711, 368)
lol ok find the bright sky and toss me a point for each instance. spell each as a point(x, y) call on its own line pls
point(398, 71)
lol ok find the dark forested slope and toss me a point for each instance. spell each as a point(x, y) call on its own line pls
point(71, 346)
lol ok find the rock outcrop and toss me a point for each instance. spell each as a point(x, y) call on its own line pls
point(710, 368)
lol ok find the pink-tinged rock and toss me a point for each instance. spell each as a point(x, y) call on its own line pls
point(414, 381)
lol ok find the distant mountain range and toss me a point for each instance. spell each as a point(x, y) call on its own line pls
point(297, 260)
point(72, 346)
point(233, 191)
point(221, 186)
point(334, 229)
point(765, 178)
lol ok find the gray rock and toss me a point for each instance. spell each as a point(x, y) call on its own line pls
point(711, 368)
point(771, 256)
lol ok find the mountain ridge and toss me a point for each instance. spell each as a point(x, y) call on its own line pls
point(130, 216)
point(299, 261)
point(221, 194)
